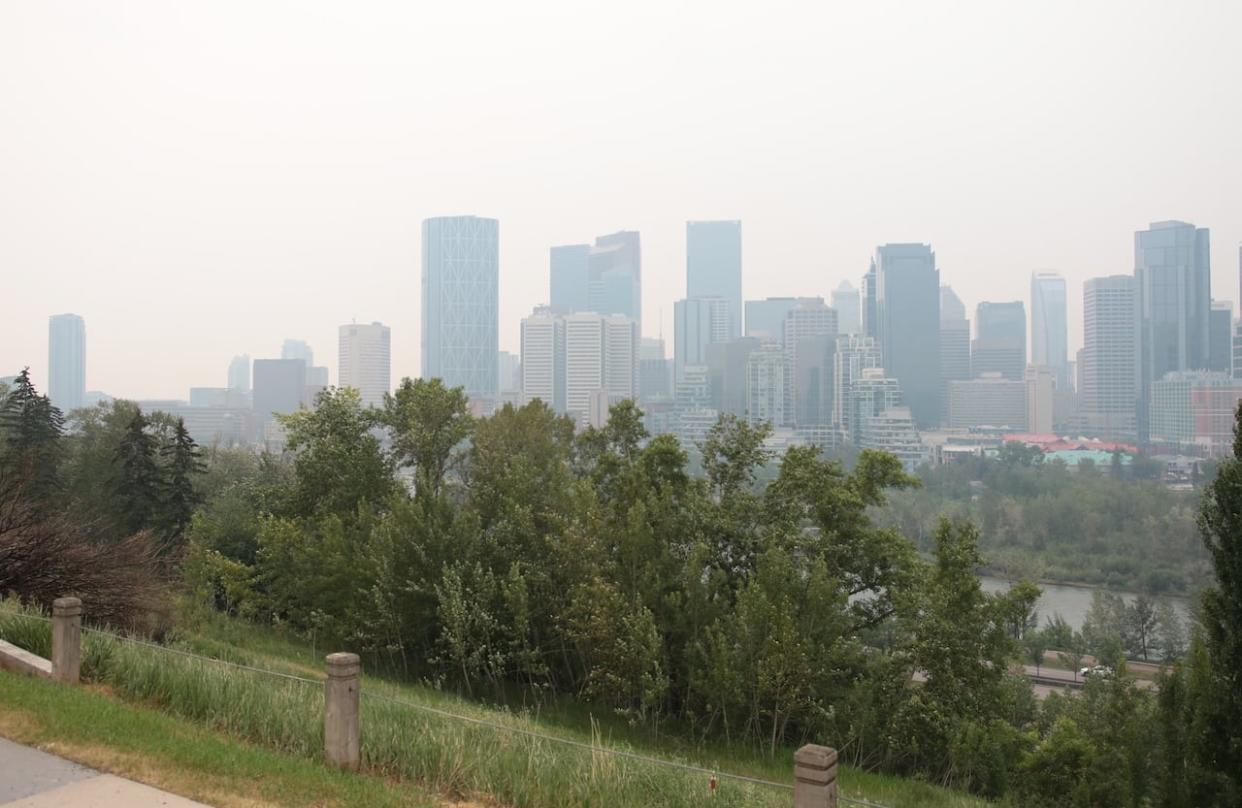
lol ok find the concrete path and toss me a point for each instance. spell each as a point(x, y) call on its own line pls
point(33, 779)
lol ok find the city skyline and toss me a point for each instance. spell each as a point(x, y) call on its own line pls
point(298, 215)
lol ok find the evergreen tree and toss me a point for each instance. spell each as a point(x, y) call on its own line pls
point(138, 481)
point(31, 429)
point(182, 463)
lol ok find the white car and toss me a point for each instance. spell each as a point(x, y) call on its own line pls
point(1096, 670)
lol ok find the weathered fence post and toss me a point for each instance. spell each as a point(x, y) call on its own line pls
point(66, 640)
point(815, 777)
point(340, 711)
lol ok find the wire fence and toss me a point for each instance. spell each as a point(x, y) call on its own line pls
point(447, 714)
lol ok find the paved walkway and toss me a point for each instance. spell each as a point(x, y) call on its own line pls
point(33, 779)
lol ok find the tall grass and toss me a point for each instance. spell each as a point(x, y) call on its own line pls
point(446, 755)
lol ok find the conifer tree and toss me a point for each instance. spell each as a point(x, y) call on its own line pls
point(138, 479)
point(31, 428)
point(182, 463)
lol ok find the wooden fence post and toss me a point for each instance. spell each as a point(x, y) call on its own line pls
point(67, 640)
point(341, 693)
point(815, 777)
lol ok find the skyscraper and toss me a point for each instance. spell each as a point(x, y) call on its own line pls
point(1220, 337)
point(239, 374)
point(697, 323)
point(1049, 332)
point(655, 371)
point(1172, 271)
point(848, 305)
point(810, 330)
point(854, 355)
point(765, 318)
point(727, 373)
point(765, 386)
point(66, 361)
point(279, 389)
point(584, 361)
point(569, 361)
point(907, 298)
point(297, 349)
point(365, 361)
point(714, 266)
point(460, 303)
point(570, 279)
point(541, 358)
point(870, 317)
point(615, 276)
point(954, 339)
point(1000, 343)
point(1110, 356)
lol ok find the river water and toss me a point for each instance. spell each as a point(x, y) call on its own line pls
point(1072, 602)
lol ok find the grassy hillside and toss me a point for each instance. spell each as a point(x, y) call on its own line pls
point(404, 743)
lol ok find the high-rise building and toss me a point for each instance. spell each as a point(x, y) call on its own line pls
point(714, 267)
point(765, 386)
point(765, 318)
point(622, 346)
point(239, 373)
point(870, 316)
point(66, 361)
point(364, 363)
point(655, 371)
point(542, 358)
point(460, 305)
point(697, 323)
point(583, 354)
point(874, 391)
point(951, 306)
point(1000, 340)
point(1109, 363)
point(569, 360)
point(509, 367)
point(1040, 399)
point(279, 389)
point(615, 276)
point(1049, 331)
point(989, 400)
point(570, 278)
point(848, 305)
point(954, 339)
point(728, 373)
point(854, 355)
point(297, 349)
point(1172, 274)
point(810, 332)
point(908, 318)
point(1220, 337)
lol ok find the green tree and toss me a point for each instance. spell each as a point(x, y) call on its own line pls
point(427, 422)
point(1035, 643)
point(138, 481)
point(31, 431)
point(1216, 676)
point(183, 464)
point(338, 463)
point(1072, 653)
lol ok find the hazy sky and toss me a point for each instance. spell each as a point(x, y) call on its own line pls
point(204, 179)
